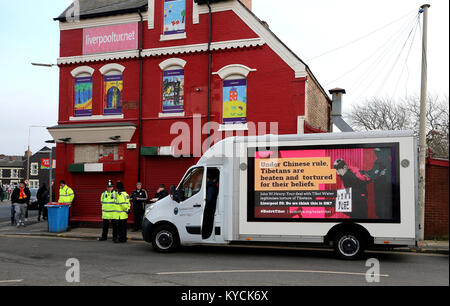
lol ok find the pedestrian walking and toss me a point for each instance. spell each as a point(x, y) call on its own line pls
point(123, 207)
point(20, 198)
point(43, 198)
point(1, 193)
point(66, 193)
point(138, 198)
point(109, 211)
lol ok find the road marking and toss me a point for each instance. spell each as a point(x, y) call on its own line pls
point(270, 271)
point(11, 281)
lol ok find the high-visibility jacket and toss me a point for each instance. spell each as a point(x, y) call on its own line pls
point(66, 195)
point(108, 201)
point(122, 205)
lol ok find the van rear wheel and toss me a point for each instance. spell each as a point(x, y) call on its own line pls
point(348, 245)
point(165, 239)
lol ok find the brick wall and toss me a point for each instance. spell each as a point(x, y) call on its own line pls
point(436, 201)
point(318, 110)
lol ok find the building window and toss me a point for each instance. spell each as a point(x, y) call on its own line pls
point(34, 170)
point(112, 89)
point(234, 101)
point(14, 173)
point(82, 91)
point(174, 17)
point(34, 184)
point(172, 87)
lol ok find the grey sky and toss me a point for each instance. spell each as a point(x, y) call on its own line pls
point(310, 28)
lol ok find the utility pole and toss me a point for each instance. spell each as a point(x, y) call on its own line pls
point(423, 124)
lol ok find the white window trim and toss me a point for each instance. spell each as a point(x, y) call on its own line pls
point(172, 36)
point(172, 63)
point(96, 117)
point(234, 71)
point(112, 69)
point(233, 127)
point(151, 14)
point(14, 171)
point(37, 169)
point(82, 71)
point(167, 65)
point(169, 115)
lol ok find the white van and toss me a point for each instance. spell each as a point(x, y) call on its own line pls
point(349, 190)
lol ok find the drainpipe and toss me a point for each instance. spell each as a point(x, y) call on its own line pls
point(209, 73)
point(140, 92)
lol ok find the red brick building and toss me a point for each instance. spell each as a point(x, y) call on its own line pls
point(436, 199)
point(136, 73)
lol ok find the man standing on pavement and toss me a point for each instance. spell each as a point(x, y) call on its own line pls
point(123, 208)
point(109, 211)
point(20, 198)
point(138, 197)
point(66, 194)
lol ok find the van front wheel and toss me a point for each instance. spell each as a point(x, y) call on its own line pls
point(165, 239)
point(349, 246)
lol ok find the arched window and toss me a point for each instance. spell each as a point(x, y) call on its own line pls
point(172, 87)
point(82, 91)
point(234, 80)
point(112, 88)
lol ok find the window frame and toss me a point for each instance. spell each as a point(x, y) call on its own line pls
point(172, 36)
point(172, 64)
point(36, 168)
point(82, 72)
point(116, 73)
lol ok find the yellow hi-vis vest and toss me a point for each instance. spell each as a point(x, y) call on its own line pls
point(108, 201)
point(122, 205)
point(66, 195)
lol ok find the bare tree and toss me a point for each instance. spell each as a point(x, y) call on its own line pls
point(385, 114)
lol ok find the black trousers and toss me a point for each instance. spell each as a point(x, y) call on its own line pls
point(106, 228)
point(122, 230)
point(138, 216)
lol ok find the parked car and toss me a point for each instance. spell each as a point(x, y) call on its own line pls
point(33, 199)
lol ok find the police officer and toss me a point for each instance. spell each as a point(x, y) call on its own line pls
point(138, 197)
point(123, 208)
point(66, 194)
point(109, 212)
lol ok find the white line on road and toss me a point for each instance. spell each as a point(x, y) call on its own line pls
point(270, 271)
point(12, 281)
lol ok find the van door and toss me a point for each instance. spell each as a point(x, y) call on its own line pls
point(190, 209)
point(210, 225)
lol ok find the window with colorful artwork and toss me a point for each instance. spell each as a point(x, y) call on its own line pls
point(113, 89)
point(173, 91)
point(235, 101)
point(174, 17)
point(83, 96)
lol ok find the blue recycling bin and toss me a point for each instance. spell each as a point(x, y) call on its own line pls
point(58, 217)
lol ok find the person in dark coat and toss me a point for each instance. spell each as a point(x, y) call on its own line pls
point(43, 198)
point(20, 198)
point(138, 198)
point(381, 176)
point(161, 193)
point(212, 191)
point(353, 178)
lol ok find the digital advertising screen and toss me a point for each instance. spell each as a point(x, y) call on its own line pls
point(325, 184)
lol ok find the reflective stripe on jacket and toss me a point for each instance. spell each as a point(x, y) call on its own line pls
point(66, 195)
point(123, 205)
point(108, 201)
